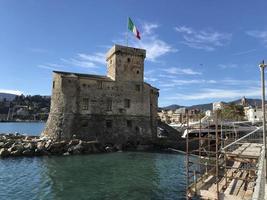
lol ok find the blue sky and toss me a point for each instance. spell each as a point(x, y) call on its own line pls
point(197, 51)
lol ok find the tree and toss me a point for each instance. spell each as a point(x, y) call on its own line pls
point(233, 112)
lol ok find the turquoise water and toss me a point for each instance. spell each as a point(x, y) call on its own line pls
point(118, 176)
point(28, 128)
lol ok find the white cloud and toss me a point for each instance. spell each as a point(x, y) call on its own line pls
point(244, 52)
point(51, 66)
point(89, 61)
point(176, 71)
point(16, 92)
point(219, 94)
point(262, 35)
point(184, 29)
point(207, 40)
point(180, 82)
point(94, 58)
point(150, 79)
point(148, 28)
point(155, 47)
point(240, 82)
point(86, 60)
point(228, 66)
point(173, 82)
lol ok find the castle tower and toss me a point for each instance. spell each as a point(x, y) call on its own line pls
point(125, 63)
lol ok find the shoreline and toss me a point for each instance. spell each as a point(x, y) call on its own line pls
point(17, 145)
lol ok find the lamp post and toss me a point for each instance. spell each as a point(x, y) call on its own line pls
point(262, 66)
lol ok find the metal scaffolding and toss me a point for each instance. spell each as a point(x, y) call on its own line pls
point(224, 165)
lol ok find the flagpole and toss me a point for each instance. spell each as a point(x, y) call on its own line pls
point(127, 32)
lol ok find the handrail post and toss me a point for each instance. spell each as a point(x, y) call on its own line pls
point(262, 66)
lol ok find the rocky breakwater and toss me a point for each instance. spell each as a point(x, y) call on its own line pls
point(12, 145)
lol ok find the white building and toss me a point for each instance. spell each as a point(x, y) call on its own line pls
point(254, 114)
point(217, 106)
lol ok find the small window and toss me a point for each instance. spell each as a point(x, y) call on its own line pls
point(99, 85)
point(110, 62)
point(137, 72)
point(53, 84)
point(127, 103)
point(129, 123)
point(84, 85)
point(84, 123)
point(129, 60)
point(137, 88)
point(255, 117)
point(85, 103)
point(69, 81)
point(109, 105)
point(109, 123)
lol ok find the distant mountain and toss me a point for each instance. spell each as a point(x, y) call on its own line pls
point(7, 96)
point(208, 106)
point(171, 107)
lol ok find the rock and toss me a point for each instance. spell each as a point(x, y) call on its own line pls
point(77, 149)
point(48, 143)
point(74, 142)
point(2, 144)
point(16, 153)
point(28, 152)
point(118, 147)
point(66, 154)
point(57, 147)
point(8, 144)
point(4, 152)
point(16, 147)
point(29, 146)
point(40, 146)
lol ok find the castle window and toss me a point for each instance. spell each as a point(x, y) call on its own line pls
point(109, 123)
point(129, 60)
point(110, 62)
point(84, 85)
point(53, 84)
point(99, 85)
point(129, 123)
point(137, 72)
point(127, 103)
point(85, 104)
point(137, 88)
point(84, 123)
point(69, 81)
point(109, 105)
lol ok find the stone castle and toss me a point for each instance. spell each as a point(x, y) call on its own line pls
point(117, 108)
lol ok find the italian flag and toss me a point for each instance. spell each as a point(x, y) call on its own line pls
point(133, 28)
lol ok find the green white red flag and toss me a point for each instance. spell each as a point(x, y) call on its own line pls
point(133, 28)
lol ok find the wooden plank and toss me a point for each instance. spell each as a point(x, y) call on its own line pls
point(249, 192)
point(205, 194)
point(230, 189)
point(240, 183)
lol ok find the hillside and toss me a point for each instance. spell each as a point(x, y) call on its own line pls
point(7, 96)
